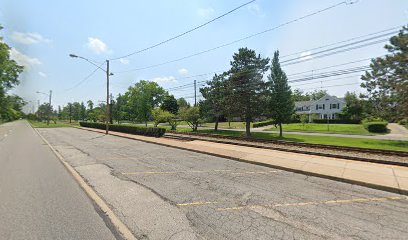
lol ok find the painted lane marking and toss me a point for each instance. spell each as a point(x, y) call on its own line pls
point(199, 171)
point(330, 202)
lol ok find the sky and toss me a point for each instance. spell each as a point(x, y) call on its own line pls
point(43, 33)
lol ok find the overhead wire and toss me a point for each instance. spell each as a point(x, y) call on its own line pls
point(238, 40)
point(184, 33)
point(85, 78)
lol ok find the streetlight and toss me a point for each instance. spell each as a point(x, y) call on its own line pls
point(49, 102)
point(108, 74)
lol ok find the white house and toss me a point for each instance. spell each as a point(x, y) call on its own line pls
point(326, 107)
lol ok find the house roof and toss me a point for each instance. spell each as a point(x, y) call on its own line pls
point(308, 103)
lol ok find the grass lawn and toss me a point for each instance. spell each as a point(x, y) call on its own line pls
point(328, 140)
point(322, 128)
point(36, 124)
point(226, 125)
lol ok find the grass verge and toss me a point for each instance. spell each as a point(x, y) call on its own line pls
point(327, 140)
point(324, 128)
point(36, 124)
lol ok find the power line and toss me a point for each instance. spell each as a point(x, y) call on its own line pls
point(339, 85)
point(343, 46)
point(337, 65)
point(303, 59)
point(184, 33)
point(343, 41)
point(86, 78)
point(188, 85)
point(334, 79)
point(238, 40)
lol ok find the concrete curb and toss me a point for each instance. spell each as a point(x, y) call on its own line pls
point(120, 227)
point(339, 179)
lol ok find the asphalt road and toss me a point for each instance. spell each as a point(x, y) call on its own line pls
point(162, 192)
point(39, 199)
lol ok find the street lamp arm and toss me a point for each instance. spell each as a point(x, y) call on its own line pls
point(86, 59)
point(43, 93)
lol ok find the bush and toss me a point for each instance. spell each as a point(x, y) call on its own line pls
point(376, 127)
point(403, 121)
point(337, 121)
point(145, 131)
point(263, 123)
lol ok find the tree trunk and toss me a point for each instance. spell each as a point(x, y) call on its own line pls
point(146, 123)
point(216, 124)
point(248, 127)
point(280, 129)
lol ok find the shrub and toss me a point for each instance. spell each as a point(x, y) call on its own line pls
point(403, 121)
point(376, 127)
point(145, 131)
point(263, 123)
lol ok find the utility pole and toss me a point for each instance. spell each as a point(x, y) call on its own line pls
point(107, 114)
point(111, 109)
point(50, 110)
point(107, 97)
point(195, 93)
point(70, 112)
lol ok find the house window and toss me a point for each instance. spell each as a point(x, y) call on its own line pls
point(335, 106)
point(319, 106)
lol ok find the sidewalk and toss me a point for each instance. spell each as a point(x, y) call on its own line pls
point(380, 176)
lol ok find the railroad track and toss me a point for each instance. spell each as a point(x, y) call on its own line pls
point(302, 147)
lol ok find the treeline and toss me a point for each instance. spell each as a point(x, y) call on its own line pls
point(10, 105)
point(255, 88)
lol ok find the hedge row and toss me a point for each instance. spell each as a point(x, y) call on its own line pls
point(376, 127)
point(145, 131)
point(263, 123)
point(337, 121)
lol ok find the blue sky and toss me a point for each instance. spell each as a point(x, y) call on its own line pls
point(43, 33)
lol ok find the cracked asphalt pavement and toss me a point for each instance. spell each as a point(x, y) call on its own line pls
point(166, 193)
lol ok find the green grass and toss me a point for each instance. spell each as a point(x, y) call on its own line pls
point(323, 128)
point(328, 140)
point(226, 125)
point(36, 124)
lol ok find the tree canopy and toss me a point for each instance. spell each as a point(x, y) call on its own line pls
point(387, 81)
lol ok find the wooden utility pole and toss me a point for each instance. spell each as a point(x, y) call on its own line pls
point(195, 93)
point(107, 98)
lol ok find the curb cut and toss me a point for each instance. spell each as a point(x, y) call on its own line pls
point(339, 179)
point(120, 227)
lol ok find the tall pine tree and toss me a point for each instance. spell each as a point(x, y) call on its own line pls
point(245, 84)
point(281, 104)
point(387, 81)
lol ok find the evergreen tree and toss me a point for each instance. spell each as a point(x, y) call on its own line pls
point(245, 84)
point(387, 81)
point(281, 104)
point(214, 95)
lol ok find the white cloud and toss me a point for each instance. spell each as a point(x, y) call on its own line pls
point(22, 59)
point(124, 61)
point(255, 9)
point(164, 79)
point(42, 74)
point(183, 71)
point(306, 55)
point(205, 12)
point(97, 45)
point(29, 38)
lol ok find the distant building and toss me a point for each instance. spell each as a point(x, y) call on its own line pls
point(327, 107)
